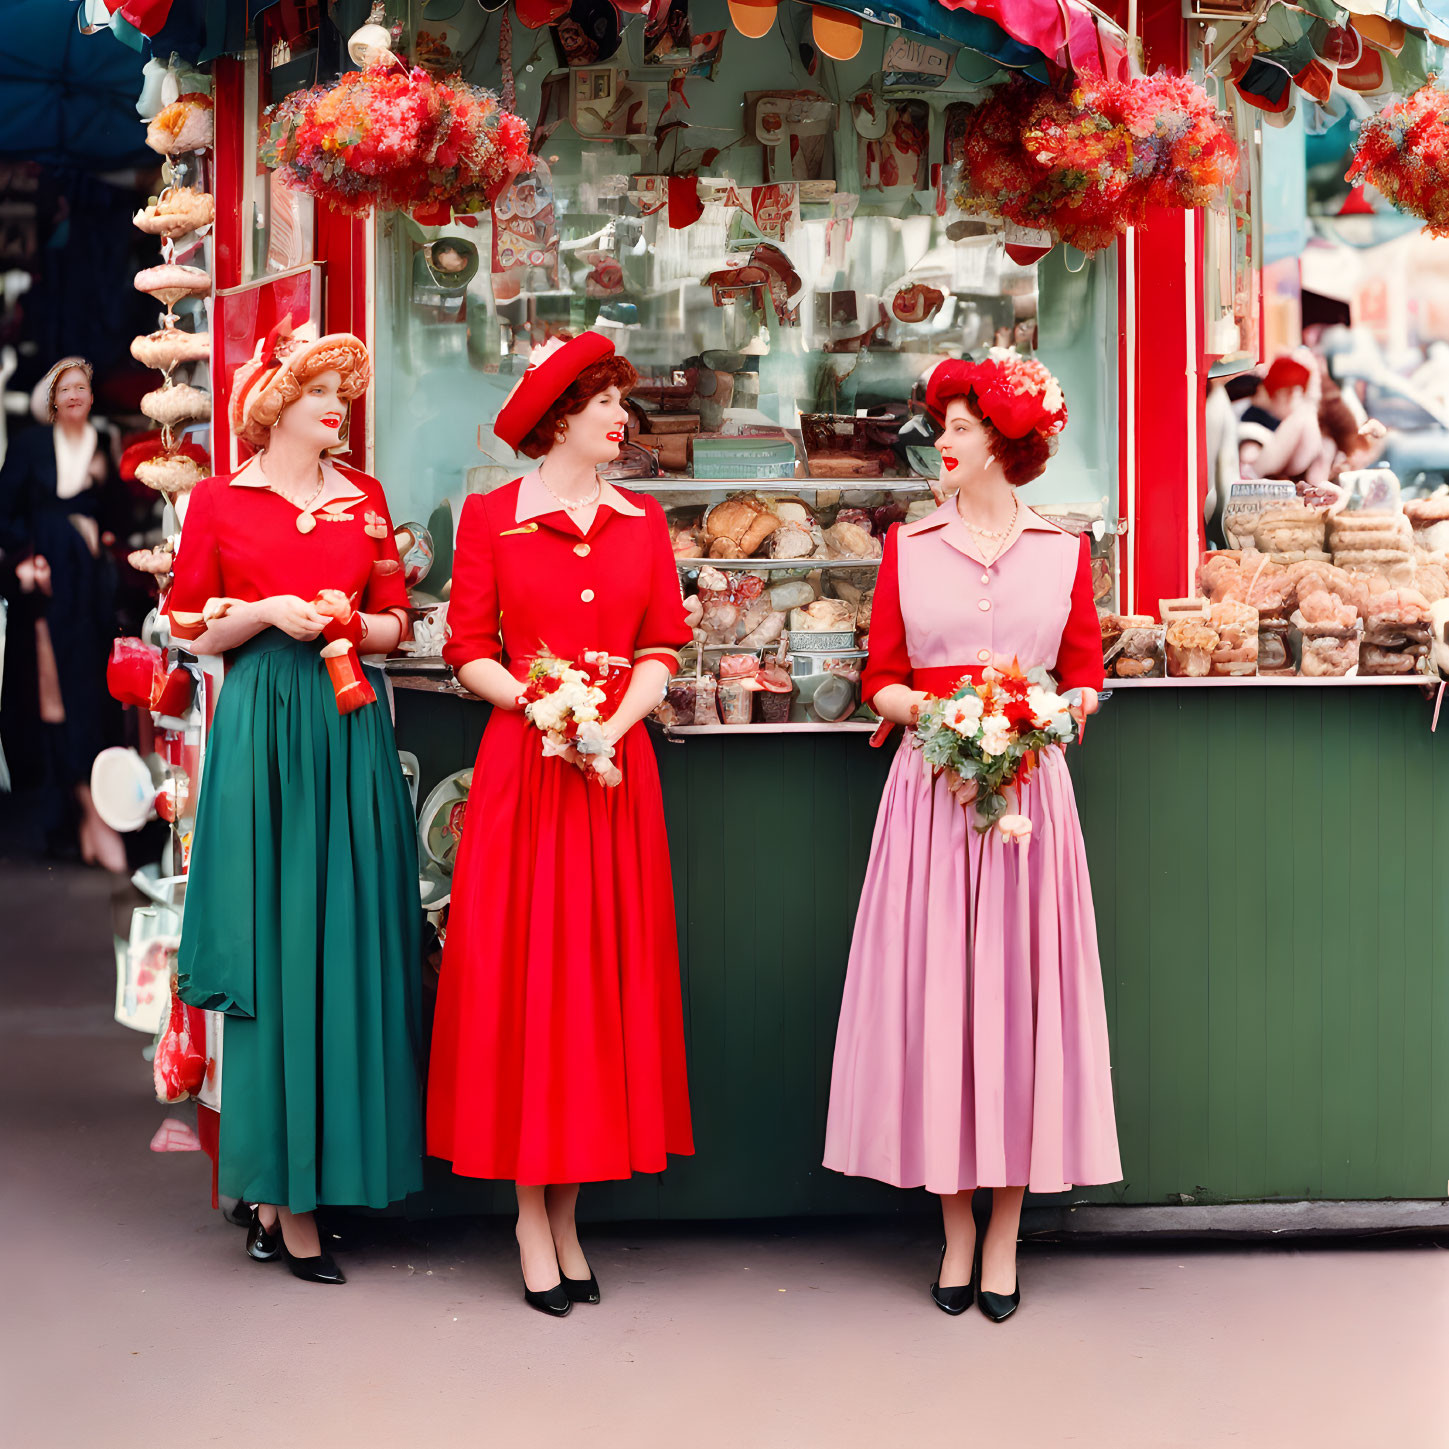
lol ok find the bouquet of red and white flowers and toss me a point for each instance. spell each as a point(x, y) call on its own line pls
point(565, 701)
point(990, 734)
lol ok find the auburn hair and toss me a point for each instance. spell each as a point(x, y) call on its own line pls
point(1021, 459)
point(609, 372)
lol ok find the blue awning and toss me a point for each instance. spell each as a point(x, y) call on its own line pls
point(67, 99)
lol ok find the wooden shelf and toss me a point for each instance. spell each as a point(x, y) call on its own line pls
point(804, 727)
point(1270, 681)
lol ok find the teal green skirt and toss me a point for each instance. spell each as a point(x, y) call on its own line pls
point(303, 924)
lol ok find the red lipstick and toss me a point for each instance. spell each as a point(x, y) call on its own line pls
point(950, 463)
point(332, 420)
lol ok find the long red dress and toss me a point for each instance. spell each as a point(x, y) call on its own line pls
point(558, 1045)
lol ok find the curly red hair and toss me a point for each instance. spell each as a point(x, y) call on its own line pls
point(611, 372)
point(1022, 459)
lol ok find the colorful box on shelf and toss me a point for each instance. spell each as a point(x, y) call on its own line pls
point(751, 460)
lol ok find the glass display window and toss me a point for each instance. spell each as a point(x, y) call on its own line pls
point(772, 244)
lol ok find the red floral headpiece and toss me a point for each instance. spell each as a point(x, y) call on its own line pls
point(1016, 394)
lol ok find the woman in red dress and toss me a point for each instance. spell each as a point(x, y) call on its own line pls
point(558, 1046)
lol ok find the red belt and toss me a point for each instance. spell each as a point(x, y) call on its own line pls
point(942, 681)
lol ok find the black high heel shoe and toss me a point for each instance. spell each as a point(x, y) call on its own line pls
point(580, 1290)
point(554, 1301)
point(263, 1245)
point(952, 1300)
point(998, 1307)
point(318, 1269)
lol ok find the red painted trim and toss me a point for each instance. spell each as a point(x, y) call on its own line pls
point(341, 246)
point(1125, 385)
point(1166, 401)
point(227, 162)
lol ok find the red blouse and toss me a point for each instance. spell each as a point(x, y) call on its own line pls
point(526, 579)
point(240, 540)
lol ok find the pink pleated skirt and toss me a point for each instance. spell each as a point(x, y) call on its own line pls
point(972, 1049)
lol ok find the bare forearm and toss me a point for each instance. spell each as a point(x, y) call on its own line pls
point(240, 623)
point(899, 703)
point(383, 633)
point(489, 680)
point(646, 689)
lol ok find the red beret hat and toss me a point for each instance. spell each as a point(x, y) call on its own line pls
point(552, 369)
point(1286, 373)
point(1016, 394)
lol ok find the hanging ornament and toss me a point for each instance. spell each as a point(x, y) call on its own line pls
point(371, 44)
point(1404, 153)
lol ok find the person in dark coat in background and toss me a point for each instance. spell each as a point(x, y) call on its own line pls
point(61, 503)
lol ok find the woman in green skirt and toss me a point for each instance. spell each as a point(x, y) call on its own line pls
point(302, 918)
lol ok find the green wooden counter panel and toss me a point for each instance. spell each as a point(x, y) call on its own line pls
point(1266, 867)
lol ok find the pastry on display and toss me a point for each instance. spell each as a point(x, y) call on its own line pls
point(1236, 625)
point(171, 347)
point(737, 527)
point(185, 125)
point(172, 473)
point(1189, 646)
point(177, 405)
point(1291, 530)
point(171, 281)
point(177, 211)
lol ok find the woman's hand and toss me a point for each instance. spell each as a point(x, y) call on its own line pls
point(292, 616)
point(1087, 702)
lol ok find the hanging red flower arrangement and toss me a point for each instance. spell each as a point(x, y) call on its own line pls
point(1088, 160)
point(1404, 152)
point(397, 140)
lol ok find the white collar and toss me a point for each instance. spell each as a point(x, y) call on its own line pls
point(337, 487)
point(535, 501)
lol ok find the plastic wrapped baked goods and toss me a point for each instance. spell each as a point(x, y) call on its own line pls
point(791, 540)
point(691, 697)
point(777, 688)
point(1138, 650)
point(178, 210)
point(1431, 578)
point(1321, 612)
point(1429, 518)
point(738, 684)
point(1189, 645)
point(1291, 526)
point(1236, 624)
point(1274, 654)
point(1380, 541)
point(177, 405)
point(845, 539)
point(1329, 655)
point(824, 616)
point(1111, 625)
point(688, 538)
point(1375, 660)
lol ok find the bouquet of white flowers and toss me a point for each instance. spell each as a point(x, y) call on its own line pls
point(563, 700)
point(989, 734)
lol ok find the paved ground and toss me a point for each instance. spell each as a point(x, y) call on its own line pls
point(129, 1316)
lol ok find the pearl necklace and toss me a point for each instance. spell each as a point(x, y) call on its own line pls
point(305, 521)
point(992, 533)
point(578, 503)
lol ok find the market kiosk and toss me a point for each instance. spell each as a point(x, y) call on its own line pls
point(771, 227)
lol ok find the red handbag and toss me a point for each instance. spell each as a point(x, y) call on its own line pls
point(179, 1066)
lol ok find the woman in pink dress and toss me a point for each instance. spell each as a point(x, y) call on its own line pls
point(972, 1049)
